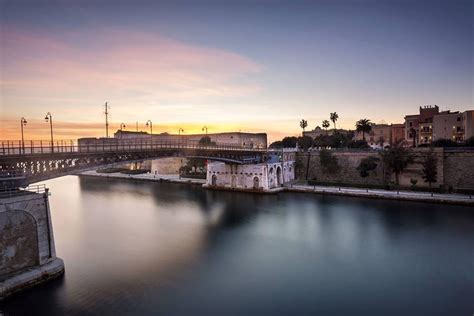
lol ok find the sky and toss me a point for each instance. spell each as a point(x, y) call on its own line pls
point(256, 66)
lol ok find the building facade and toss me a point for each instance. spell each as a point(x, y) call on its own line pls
point(247, 140)
point(448, 125)
point(278, 170)
point(397, 133)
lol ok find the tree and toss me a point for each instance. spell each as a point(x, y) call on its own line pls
point(413, 134)
point(328, 162)
point(469, 142)
point(364, 126)
point(195, 163)
point(287, 142)
point(443, 142)
point(325, 124)
point(305, 142)
point(334, 116)
point(367, 165)
point(205, 140)
point(397, 158)
point(361, 144)
point(430, 170)
point(303, 124)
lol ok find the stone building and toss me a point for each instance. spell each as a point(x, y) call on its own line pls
point(397, 133)
point(248, 140)
point(278, 170)
point(378, 138)
point(468, 123)
point(419, 127)
point(448, 125)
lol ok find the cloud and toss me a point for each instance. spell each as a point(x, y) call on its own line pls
point(133, 67)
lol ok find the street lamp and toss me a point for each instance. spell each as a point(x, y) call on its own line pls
point(150, 123)
point(49, 118)
point(22, 123)
point(180, 130)
point(204, 129)
point(122, 126)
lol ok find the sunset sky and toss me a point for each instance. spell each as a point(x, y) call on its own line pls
point(257, 66)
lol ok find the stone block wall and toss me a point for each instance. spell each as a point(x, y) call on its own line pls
point(26, 237)
point(455, 169)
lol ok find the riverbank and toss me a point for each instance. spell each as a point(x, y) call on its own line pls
point(462, 199)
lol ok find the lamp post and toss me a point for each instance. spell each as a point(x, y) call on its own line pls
point(150, 123)
point(204, 129)
point(49, 118)
point(180, 130)
point(22, 123)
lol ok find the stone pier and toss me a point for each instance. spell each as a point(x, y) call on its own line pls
point(27, 251)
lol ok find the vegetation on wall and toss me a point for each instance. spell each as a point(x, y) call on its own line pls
point(430, 171)
point(367, 165)
point(396, 159)
point(328, 161)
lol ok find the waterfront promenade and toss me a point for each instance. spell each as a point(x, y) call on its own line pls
point(450, 198)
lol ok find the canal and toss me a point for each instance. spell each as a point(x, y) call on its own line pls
point(175, 249)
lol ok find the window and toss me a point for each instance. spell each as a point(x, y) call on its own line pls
point(411, 124)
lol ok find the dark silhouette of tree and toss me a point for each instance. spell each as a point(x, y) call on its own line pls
point(287, 142)
point(303, 124)
point(413, 134)
point(364, 126)
point(430, 170)
point(396, 159)
point(325, 124)
point(334, 116)
point(206, 141)
point(443, 142)
point(469, 142)
point(367, 165)
point(305, 142)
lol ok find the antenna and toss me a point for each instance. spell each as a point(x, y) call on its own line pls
point(106, 120)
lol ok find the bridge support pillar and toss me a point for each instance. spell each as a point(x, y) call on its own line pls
point(27, 251)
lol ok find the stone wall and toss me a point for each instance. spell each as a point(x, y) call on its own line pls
point(455, 169)
point(26, 237)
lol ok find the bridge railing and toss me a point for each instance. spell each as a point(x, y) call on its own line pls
point(11, 192)
point(92, 145)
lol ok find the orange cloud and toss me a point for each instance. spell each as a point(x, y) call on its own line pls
point(132, 67)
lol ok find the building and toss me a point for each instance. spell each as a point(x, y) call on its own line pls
point(468, 124)
point(448, 125)
point(397, 133)
point(419, 127)
point(318, 131)
point(248, 140)
point(265, 177)
point(379, 136)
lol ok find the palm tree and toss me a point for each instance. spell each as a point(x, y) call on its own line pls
point(325, 124)
point(334, 117)
point(303, 124)
point(364, 126)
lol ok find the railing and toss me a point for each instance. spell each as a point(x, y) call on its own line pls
point(36, 188)
point(15, 148)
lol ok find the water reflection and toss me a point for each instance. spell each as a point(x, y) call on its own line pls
point(146, 248)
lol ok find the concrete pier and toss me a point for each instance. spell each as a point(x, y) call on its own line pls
point(27, 251)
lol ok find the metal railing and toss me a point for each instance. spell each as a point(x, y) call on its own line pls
point(35, 188)
point(15, 148)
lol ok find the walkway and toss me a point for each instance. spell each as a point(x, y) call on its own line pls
point(384, 194)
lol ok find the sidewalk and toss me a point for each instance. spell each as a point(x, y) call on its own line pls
point(145, 177)
point(384, 194)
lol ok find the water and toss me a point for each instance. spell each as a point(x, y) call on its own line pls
point(174, 249)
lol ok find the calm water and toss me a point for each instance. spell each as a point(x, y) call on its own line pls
point(173, 249)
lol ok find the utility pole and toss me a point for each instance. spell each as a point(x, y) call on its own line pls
point(106, 120)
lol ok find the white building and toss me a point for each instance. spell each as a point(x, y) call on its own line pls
point(260, 177)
